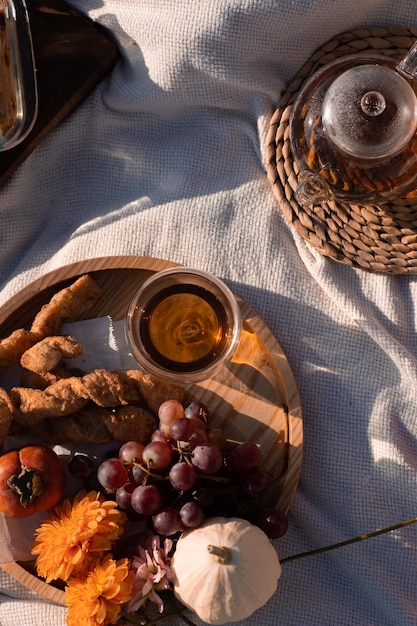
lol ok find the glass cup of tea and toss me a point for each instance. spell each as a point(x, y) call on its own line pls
point(183, 325)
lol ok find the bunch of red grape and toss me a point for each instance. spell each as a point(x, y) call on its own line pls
point(185, 474)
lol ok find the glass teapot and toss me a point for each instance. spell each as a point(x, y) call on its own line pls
point(353, 130)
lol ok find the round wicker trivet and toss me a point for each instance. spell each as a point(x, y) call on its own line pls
point(375, 238)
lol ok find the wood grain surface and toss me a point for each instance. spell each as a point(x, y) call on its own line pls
point(254, 398)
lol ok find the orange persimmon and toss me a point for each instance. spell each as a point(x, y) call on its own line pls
point(32, 479)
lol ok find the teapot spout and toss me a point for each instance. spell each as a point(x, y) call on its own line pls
point(312, 190)
point(408, 65)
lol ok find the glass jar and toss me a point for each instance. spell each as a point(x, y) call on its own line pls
point(18, 92)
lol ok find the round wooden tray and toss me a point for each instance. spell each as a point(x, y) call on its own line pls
point(256, 397)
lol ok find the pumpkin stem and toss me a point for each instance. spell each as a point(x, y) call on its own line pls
point(223, 554)
point(28, 485)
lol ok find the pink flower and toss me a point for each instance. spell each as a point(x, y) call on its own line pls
point(152, 572)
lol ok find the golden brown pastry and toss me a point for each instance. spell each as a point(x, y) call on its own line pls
point(13, 346)
point(95, 407)
point(45, 355)
point(153, 390)
point(110, 388)
point(104, 388)
point(42, 381)
point(6, 415)
point(86, 426)
point(127, 423)
point(96, 425)
point(67, 405)
point(68, 304)
point(61, 398)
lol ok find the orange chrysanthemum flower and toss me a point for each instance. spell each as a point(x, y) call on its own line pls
point(77, 533)
point(96, 600)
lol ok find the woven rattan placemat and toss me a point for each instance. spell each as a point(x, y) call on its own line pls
point(375, 238)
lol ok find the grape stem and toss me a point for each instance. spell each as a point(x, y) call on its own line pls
point(239, 442)
point(218, 479)
point(149, 472)
point(347, 542)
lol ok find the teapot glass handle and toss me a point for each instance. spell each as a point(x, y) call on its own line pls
point(408, 66)
point(312, 190)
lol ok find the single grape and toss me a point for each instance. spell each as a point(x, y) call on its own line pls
point(167, 522)
point(207, 457)
point(131, 452)
point(203, 496)
point(255, 480)
point(217, 436)
point(158, 434)
point(246, 455)
point(191, 514)
point(80, 466)
point(169, 411)
point(112, 474)
point(197, 438)
point(164, 432)
point(197, 409)
point(124, 495)
point(157, 455)
point(182, 476)
point(181, 429)
point(274, 523)
point(137, 475)
point(198, 424)
point(146, 499)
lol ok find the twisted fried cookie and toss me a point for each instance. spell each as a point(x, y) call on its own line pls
point(96, 425)
point(111, 389)
point(6, 415)
point(153, 390)
point(103, 388)
point(66, 305)
point(63, 397)
point(13, 346)
point(42, 381)
point(45, 355)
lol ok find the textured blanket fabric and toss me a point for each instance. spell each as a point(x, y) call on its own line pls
point(166, 159)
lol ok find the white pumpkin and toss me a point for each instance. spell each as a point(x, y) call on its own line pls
point(225, 569)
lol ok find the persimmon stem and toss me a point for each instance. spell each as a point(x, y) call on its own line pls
point(27, 484)
point(347, 542)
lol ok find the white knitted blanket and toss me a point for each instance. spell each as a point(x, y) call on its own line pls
point(166, 159)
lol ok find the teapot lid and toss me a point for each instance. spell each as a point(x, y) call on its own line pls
point(370, 112)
